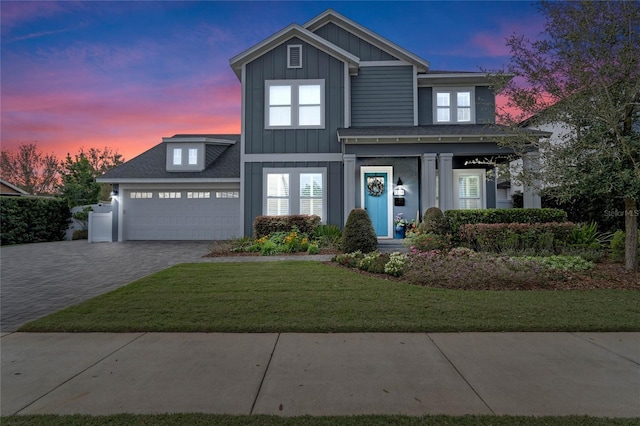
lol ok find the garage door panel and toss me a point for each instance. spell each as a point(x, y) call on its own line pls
point(181, 218)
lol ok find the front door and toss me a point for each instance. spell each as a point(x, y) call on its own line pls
point(377, 196)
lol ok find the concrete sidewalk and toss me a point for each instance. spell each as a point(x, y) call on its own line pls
point(289, 374)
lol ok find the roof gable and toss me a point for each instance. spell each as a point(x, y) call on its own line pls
point(331, 16)
point(293, 30)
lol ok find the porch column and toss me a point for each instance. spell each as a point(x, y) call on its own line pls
point(530, 197)
point(428, 182)
point(349, 170)
point(446, 181)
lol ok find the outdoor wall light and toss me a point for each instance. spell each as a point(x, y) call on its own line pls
point(398, 191)
point(114, 190)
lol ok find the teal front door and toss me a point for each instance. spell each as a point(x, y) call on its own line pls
point(376, 201)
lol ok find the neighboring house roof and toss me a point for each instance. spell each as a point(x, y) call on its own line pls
point(293, 30)
point(151, 166)
point(433, 132)
point(7, 188)
point(377, 40)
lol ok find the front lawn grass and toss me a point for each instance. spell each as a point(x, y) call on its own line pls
point(319, 298)
point(262, 420)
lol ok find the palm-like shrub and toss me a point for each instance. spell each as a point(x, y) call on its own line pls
point(358, 233)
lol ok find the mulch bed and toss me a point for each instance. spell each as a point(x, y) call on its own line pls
point(602, 276)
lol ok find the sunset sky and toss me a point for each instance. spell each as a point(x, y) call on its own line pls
point(125, 74)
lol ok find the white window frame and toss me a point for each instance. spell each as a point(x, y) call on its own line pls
point(166, 195)
point(481, 174)
point(295, 196)
point(453, 104)
point(227, 194)
point(198, 194)
point(141, 195)
point(289, 49)
point(295, 103)
point(177, 157)
point(193, 156)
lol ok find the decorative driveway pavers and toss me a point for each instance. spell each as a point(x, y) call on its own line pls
point(39, 279)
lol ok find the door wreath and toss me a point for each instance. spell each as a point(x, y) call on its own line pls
point(375, 185)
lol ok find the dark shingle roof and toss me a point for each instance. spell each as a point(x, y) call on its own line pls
point(223, 162)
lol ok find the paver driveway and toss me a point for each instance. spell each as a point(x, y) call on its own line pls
point(39, 279)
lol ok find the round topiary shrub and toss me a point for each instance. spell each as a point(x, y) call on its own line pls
point(434, 222)
point(358, 233)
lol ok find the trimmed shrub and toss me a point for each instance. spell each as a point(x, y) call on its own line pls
point(265, 225)
point(32, 220)
point(433, 221)
point(358, 234)
point(427, 242)
point(456, 218)
point(504, 237)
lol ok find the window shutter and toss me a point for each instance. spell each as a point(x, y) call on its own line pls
point(294, 56)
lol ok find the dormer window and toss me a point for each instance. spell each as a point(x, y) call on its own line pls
point(185, 157)
point(193, 156)
point(177, 156)
point(294, 56)
point(453, 105)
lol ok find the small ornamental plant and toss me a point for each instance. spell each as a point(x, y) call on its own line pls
point(396, 264)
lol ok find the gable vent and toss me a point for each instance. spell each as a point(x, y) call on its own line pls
point(294, 56)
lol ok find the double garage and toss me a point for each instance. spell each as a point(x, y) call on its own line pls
point(179, 213)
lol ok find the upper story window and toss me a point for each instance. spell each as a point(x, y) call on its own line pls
point(294, 56)
point(294, 104)
point(177, 156)
point(193, 156)
point(185, 157)
point(454, 106)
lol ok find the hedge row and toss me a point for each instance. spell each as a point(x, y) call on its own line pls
point(499, 237)
point(265, 225)
point(457, 218)
point(32, 220)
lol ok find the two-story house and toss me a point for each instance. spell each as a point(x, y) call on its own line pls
point(334, 117)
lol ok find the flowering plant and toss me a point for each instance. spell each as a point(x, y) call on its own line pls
point(400, 220)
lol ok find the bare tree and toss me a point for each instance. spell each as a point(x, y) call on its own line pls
point(30, 169)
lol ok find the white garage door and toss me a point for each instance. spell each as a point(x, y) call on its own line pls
point(181, 215)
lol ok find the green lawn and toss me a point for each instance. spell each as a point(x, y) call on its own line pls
point(209, 419)
point(315, 297)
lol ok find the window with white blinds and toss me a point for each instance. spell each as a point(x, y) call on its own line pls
point(469, 189)
point(454, 105)
point(295, 191)
point(277, 194)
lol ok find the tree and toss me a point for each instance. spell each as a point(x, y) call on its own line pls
point(31, 169)
point(79, 186)
point(101, 161)
point(582, 76)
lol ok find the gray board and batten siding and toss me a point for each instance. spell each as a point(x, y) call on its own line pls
point(273, 66)
point(352, 43)
point(382, 96)
point(253, 194)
